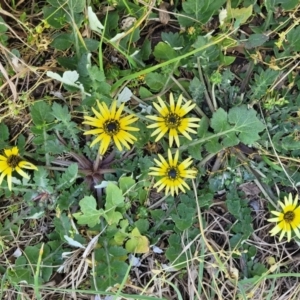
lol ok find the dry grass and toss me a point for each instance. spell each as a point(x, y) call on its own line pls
point(214, 269)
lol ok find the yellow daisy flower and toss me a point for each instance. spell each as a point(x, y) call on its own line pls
point(172, 173)
point(111, 126)
point(172, 120)
point(288, 219)
point(12, 161)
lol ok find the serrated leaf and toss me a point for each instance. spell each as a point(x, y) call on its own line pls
point(69, 128)
point(184, 217)
point(88, 215)
point(175, 40)
point(219, 121)
point(41, 113)
point(95, 74)
point(61, 113)
point(69, 176)
point(40, 177)
point(262, 81)
point(240, 14)
point(197, 89)
point(246, 124)
point(202, 10)
point(293, 39)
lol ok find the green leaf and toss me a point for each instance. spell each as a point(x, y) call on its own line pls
point(246, 124)
point(56, 17)
point(96, 74)
point(174, 252)
point(227, 60)
point(205, 199)
point(202, 10)
point(272, 5)
point(113, 217)
point(3, 27)
point(62, 225)
point(40, 178)
point(146, 49)
point(175, 40)
point(114, 196)
point(91, 44)
point(144, 93)
point(68, 177)
point(126, 183)
point(262, 82)
point(293, 39)
point(109, 275)
point(77, 6)
point(184, 217)
point(88, 215)
point(240, 14)
point(219, 123)
point(61, 113)
point(63, 41)
point(163, 51)
point(41, 113)
point(155, 81)
point(137, 243)
point(256, 268)
point(142, 225)
point(4, 133)
point(197, 89)
point(66, 126)
point(256, 40)
point(21, 273)
point(196, 152)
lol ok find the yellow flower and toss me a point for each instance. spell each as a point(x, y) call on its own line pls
point(172, 120)
point(288, 219)
point(111, 126)
point(172, 173)
point(12, 161)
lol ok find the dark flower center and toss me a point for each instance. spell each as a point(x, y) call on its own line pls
point(289, 216)
point(172, 173)
point(172, 120)
point(13, 161)
point(111, 127)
